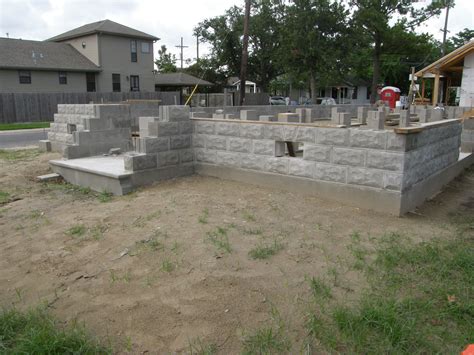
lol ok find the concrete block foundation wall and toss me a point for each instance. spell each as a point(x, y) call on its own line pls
point(467, 136)
point(87, 130)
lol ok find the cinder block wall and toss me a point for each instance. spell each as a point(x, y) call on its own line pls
point(353, 156)
point(467, 136)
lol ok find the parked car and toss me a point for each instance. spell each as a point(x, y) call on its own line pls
point(325, 101)
point(277, 100)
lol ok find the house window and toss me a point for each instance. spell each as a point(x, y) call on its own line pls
point(116, 82)
point(354, 93)
point(134, 83)
point(25, 76)
point(133, 50)
point(145, 47)
point(62, 78)
point(90, 81)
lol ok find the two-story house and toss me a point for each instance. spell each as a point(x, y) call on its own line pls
point(103, 56)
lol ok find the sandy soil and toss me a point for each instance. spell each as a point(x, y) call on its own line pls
point(146, 275)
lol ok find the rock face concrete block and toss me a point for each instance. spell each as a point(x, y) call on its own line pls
point(204, 127)
point(163, 129)
point(329, 172)
point(253, 162)
point(186, 156)
point(353, 157)
point(319, 153)
point(305, 134)
point(385, 160)
point(364, 138)
point(180, 142)
point(264, 147)
point(333, 136)
point(205, 156)
point(168, 158)
point(365, 177)
point(138, 162)
point(186, 127)
point(240, 145)
point(254, 131)
point(153, 145)
point(300, 167)
point(277, 165)
point(216, 142)
point(228, 159)
point(228, 129)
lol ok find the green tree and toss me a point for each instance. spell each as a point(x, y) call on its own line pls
point(166, 62)
point(372, 17)
point(314, 40)
point(459, 39)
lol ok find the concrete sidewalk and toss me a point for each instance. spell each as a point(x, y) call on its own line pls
point(22, 138)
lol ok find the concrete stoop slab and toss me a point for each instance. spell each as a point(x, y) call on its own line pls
point(107, 173)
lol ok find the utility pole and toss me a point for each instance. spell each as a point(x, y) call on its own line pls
point(197, 47)
point(445, 30)
point(181, 55)
point(245, 53)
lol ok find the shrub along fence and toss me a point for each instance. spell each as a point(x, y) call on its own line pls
point(32, 107)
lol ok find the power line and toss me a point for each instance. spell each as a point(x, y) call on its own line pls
point(181, 46)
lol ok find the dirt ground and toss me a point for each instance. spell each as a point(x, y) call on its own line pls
point(168, 266)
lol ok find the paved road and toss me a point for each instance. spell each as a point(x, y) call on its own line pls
point(22, 138)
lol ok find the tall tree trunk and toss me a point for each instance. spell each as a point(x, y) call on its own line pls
point(312, 85)
point(376, 71)
point(245, 53)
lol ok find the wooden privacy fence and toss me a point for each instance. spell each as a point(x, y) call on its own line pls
point(31, 107)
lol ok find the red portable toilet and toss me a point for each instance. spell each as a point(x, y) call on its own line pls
point(390, 95)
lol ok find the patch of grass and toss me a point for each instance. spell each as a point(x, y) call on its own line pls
point(26, 125)
point(252, 231)
point(36, 332)
point(150, 244)
point(319, 289)
point(263, 251)
point(97, 232)
point(18, 154)
point(4, 197)
point(117, 277)
point(266, 340)
point(220, 239)
point(76, 191)
point(197, 347)
point(204, 216)
point(77, 230)
point(105, 196)
point(420, 299)
point(249, 216)
point(167, 266)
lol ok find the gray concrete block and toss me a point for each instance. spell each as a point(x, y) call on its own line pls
point(168, 158)
point(345, 156)
point(240, 145)
point(329, 172)
point(264, 147)
point(230, 116)
point(277, 165)
point(305, 134)
point(180, 142)
point(199, 141)
point(267, 118)
point(335, 115)
point(392, 181)
point(280, 149)
point(44, 145)
point(345, 119)
point(248, 115)
point(333, 136)
point(376, 120)
point(309, 115)
point(404, 118)
point(228, 159)
point(112, 111)
point(174, 113)
point(300, 167)
point(319, 153)
point(186, 127)
point(385, 160)
point(253, 162)
point(227, 129)
point(216, 142)
point(154, 145)
point(424, 115)
point(254, 131)
point(301, 112)
point(205, 155)
point(144, 121)
point(288, 117)
point(436, 115)
point(163, 129)
point(364, 138)
point(205, 127)
point(396, 141)
point(137, 162)
point(200, 115)
point(186, 156)
point(362, 114)
point(218, 116)
point(365, 177)
point(273, 132)
point(468, 124)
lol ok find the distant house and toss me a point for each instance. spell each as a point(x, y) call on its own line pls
point(182, 82)
point(454, 71)
point(233, 84)
point(103, 56)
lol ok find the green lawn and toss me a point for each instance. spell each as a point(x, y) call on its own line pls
point(26, 125)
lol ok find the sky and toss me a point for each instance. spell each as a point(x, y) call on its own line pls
point(167, 19)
